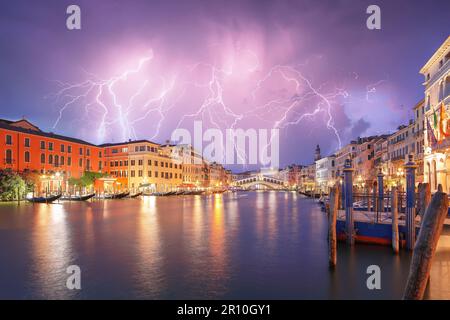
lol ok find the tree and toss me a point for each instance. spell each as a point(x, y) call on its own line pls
point(12, 186)
point(89, 178)
point(31, 178)
point(86, 180)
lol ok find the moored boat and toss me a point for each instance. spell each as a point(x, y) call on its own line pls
point(44, 199)
point(115, 195)
point(135, 195)
point(78, 198)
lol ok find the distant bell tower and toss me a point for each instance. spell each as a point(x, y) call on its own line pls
point(317, 155)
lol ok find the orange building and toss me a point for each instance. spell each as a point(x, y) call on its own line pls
point(24, 147)
point(141, 165)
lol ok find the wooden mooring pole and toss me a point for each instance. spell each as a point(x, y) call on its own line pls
point(410, 168)
point(394, 214)
point(425, 247)
point(332, 241)
point(424, 191)
point(380, 205)
point(348, 189)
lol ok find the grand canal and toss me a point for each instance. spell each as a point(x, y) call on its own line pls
point(260, 245)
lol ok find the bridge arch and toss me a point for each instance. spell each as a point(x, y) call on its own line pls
point(260, 180)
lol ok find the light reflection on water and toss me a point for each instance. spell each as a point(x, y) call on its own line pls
point(235, 245)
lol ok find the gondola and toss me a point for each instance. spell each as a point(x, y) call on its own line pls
point(135, 195)
point(120, 195)
point(194, 192)
point(219, 191)
point(78, 198)
point(44, 199)
point(116, 195)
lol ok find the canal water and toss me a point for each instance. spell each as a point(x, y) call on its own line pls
point(256, 245)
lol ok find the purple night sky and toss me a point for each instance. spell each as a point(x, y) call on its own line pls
point(247, 64)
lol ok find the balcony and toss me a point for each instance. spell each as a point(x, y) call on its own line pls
point(399, 157)
point(438, 74)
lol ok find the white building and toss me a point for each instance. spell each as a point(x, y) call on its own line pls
point(437, 130)
point(325, 173)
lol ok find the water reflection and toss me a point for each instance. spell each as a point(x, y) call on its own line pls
point(258, 245)
point(218, 261)
point(148, 279)
point(51, 250)
point(439, 285)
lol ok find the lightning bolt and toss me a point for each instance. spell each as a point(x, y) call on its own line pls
point(305, 101)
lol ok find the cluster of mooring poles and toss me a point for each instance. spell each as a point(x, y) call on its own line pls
point(431, 210)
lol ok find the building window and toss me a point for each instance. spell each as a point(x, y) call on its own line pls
point(50, 159)
point(88, 152)
point(88, 164)
point(156, 174)
point(62, 148)
point(27, 142)
point(140, 173)
point(8, 154)
point(50, 146)
point(133, 162)
point(140, 162)
point(126, 163)
point(69, 161)
point(149, 173)
point(149, 162)
point(99, 165)
point(42, 158)
point(116, 163)
point(80, 151)
point(80, 163)
point(8, 139)
point(69, 149)
point(62, 160)
point(132, 173)
point(99, 154)
point(42, 145)
point(156, 163)
point(56, 160)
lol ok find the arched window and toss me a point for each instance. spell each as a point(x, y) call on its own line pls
point(441, 90)
point(62, 160)
point(447, 87)
point(8, 158)
point(56, 160)
point(27, 156)
point(42, 158)
point(50, 158)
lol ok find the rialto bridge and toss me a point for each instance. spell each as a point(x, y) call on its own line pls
point(259, 181)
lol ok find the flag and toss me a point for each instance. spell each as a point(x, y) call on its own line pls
point(435, 122)
point(431, 137)
point(443, 117)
